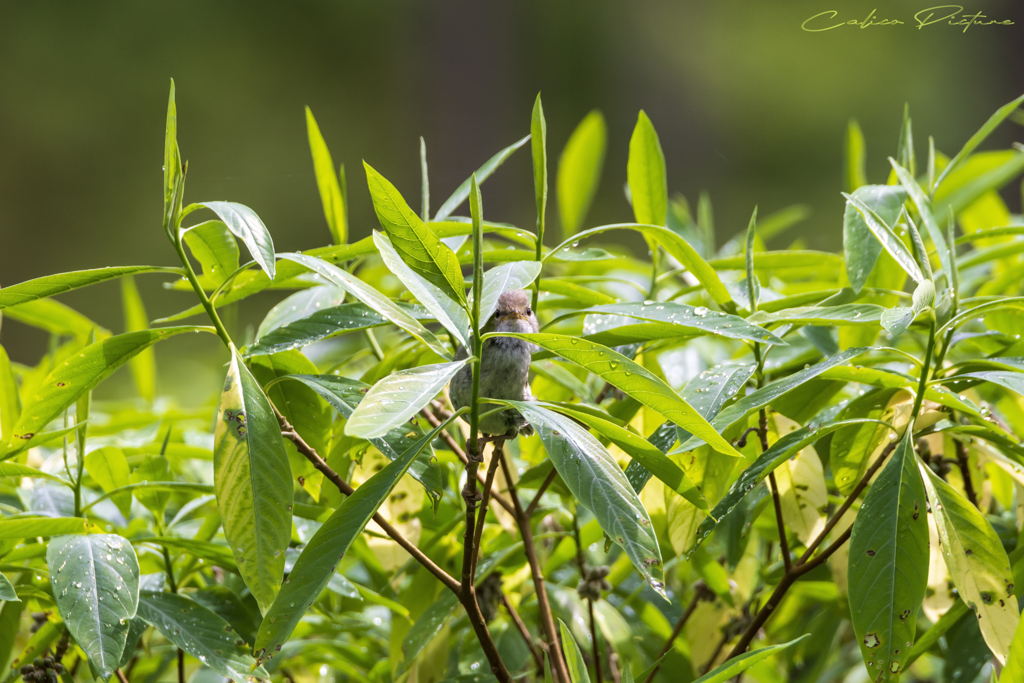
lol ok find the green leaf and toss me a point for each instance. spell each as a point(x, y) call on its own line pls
point(52, 316)
point(579, 171)
point(397, 397)
point(860, 247)
point(573, 657)
point(972, 144)
point(768, 393)
point(82, 372)
point(779, 452)
point(214, 247)
point(428, 625)
point(7, 592)
point(253, 481)
point(445, 310)
point(690, 317)
point(1014, 381)
point(324, 324)
point(924, 209)
point(95, 582)
point(172, 165)
point(109, 468)
point(843, 314)
point(598, 482)
point(633, 379)
point(247, 226)
point(10, 400)
point(483, 173)
point(504, 278)
point(199, 632)
point(299, 305)
point(856, 154)
point(888, 565)
point(1013, 672)
point(143, 365)
point(327, 182)
point(154, 469)
point(319, 560)
point(888, 239)
point(372, 298)
point(852, 446)
point(977, 563)
point(51, 285)
point(741, 663)
point(645, 172)
point(214, 553)
point(13, 469)
point(640, 450)
point(897, 320)
point(414, 240)
point(345, 394)
point(539, 144)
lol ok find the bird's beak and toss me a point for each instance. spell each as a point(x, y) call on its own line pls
point(512, 315)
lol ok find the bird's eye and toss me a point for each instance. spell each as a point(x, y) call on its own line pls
point(529, 311)
point(497, 315)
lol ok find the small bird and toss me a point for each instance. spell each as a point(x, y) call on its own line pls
point(504, 367)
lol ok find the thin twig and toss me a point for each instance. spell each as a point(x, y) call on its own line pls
point(120, 674)
point(492, 467)
point(310, 454)
point(540, 492)
point(558, 667)
point(965, 471)
point(698, 594)
point(581, 563)
point(524, 632)
point(762, 431)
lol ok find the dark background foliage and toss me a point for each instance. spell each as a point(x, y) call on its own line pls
point(747, 105)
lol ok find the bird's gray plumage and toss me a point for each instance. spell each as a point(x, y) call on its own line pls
point(504, 367)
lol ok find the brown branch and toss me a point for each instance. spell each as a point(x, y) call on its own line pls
point(965, 471)
point(120, 674)
point(540, 492)
point(558, 667)
point(461, 455)
point(310, 454)
point(593, 642)
point(492, 467)
point(524, 632)
point(762, 431)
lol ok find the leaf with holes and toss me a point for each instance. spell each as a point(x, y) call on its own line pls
point(888, 566)
point(977, 563)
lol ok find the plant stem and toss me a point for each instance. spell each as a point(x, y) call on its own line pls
point(925, 366)
point(965, 472)
point(582, 565)
point(540, 492)
point(374, 346)
point(558, 667)
point(492, 467)
point(203, 299)
point(524, 632)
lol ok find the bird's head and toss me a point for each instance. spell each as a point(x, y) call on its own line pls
point(513, 314)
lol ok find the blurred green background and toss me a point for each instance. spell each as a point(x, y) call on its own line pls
point(748, 107)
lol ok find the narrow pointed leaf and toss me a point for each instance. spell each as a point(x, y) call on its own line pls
point(319, 560)
point(109, 468)
point(372, 298)
point(924, 209)
point(10, 399)
point(247, 226)
point(253, 481)
point(977, 563)
point(301, 304)
point(768, 393)
point(574, 661)
point(633, 379)
point(200, 632)
point(645, 172)
point(692, 317)
point(539, 145)
point(888, 566)
point(860, 247)
point(1013, 672)
point(445, 310)
point(598, 482)
point(461, 193)
point(52, 316)
point(843, 314)
point(95, 581)
point(579, 171)
point(735, 666)
point(143, 364)
point(29, 527)
point(51, 285)
point(327, 182)
point(397, 397)
point(415, 241)
point(83, 371)
point(972, 144)
point(1014, 381)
